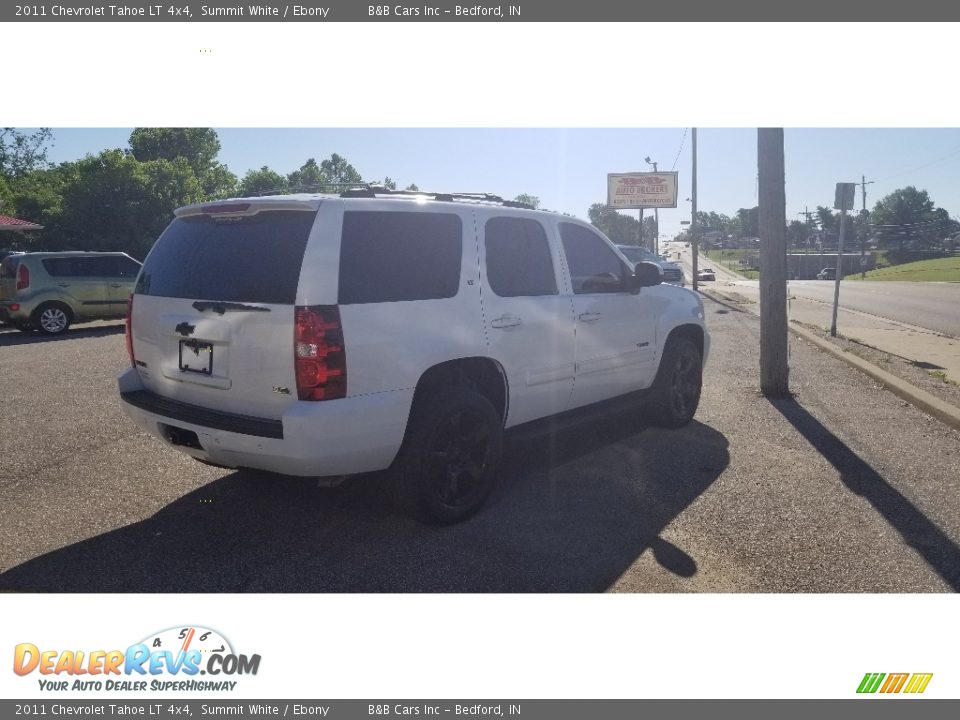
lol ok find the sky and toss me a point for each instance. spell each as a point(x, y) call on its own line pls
point(567, 168)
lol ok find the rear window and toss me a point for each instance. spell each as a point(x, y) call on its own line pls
point(518, 258)
point(8, 268)
point(247, 259)
point(394, 256)
point(60, 267)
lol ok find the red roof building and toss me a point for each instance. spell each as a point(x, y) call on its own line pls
point(16, 224)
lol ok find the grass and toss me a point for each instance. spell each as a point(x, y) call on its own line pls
point(939, 270)
point(731, 258)
point(941, 375)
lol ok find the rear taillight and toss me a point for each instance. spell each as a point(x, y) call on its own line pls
point(23, 277)
point(319, 354)
point(129, 330)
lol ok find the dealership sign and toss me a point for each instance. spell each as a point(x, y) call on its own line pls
point(626, 191)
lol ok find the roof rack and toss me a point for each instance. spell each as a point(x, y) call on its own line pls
point(372, 190)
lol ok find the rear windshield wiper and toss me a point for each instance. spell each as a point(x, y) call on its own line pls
point(222, 307)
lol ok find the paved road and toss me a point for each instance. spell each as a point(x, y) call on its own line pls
point(934, 306)
point(841, 488)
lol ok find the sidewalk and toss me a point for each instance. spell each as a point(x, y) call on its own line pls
point(917, 364)
point(920, 346)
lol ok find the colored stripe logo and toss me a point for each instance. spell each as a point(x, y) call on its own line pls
point(913, 683)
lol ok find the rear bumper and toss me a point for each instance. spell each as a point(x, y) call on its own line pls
point(312, 439)
point(8, 315)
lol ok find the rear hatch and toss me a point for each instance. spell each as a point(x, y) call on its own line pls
point(8, 277)
point(212, 314)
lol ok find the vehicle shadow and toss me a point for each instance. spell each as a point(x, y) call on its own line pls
point(930, 542)
point(574, 510)
point(10, 336)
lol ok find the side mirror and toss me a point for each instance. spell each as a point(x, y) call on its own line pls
point(647, 274)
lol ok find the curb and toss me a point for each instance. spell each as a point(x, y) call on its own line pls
point(921, 399)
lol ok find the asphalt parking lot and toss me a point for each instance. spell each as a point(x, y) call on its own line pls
point(842, 488)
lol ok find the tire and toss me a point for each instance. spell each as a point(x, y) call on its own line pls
point(52, 318)
point(676, 390)
point(448, 464)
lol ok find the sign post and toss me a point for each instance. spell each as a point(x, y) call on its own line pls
point(636, 191)
point(843, 201)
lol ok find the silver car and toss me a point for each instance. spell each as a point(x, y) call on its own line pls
point(671, 271)
point(49, 291)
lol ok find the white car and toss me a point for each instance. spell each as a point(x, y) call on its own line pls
point(320, 335)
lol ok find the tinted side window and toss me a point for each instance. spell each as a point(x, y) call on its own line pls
point(99, 266)
point(594, 267)
point(59, 267)
point(247, 259)
point(128, 268)
point(394, 256)
point(518, 258)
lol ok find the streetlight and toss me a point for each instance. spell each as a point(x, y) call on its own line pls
point(656, 213)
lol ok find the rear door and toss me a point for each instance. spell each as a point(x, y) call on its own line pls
point(529, 322)
point(213, 309)
point(119, 274)
point(79, 280)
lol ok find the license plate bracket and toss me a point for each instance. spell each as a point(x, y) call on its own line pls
point(196, 356)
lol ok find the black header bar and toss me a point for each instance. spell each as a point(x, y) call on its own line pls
point(512, 11)
point(162, 709)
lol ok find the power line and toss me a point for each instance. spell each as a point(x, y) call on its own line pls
point(677, 158)
point(921, 167)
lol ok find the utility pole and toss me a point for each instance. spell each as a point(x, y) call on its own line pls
point(863, 190)
point(694, 244)
point(863, 230)
point(774, 368)
point(640, 241)
point(656, 214)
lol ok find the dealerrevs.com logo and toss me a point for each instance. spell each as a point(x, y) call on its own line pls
point(172, 659)
point(893, 683)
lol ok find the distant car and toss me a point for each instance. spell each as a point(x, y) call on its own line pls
point(49, 291)
point(827, 274)
point(671, 271)
point(706, 274)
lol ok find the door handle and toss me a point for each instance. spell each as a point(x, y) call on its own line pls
point(115, 285)
point(505, 321)
point(588, 317)
point(63, 284)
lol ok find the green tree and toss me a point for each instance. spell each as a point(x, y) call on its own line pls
point(37, 196)
point(412, 187)
point(908, 218)
point(112, 201)
point(260, 182)
point(827, 220)
point(621, 229)
point(797, 234)
point(308, 178)
point(198, 146)
point(218, 182)
point(338, 170)
point(21, 153)
point(531, 200)
point(746, 223)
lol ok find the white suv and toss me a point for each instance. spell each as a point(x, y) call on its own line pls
point(329, 335)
